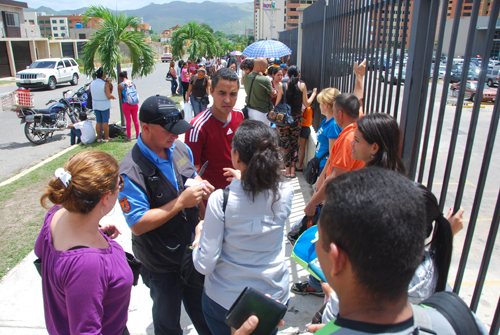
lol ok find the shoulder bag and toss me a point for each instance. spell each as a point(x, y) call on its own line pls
point(281, 115)
point(189, 273)
point(312, 169)
point(244, 110)
point(169, 76)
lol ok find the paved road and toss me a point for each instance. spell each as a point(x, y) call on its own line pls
point(17, 153)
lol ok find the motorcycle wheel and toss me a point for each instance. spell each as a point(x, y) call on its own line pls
point(32, 135)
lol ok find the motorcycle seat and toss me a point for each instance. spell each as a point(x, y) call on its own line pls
point(42, 111)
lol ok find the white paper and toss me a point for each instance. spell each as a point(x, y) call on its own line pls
point(192, 182)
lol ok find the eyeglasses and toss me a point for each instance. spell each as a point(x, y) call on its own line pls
point(171, 118)
point(121, 184)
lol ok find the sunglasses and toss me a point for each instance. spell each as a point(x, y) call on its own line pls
point(121, 184)
point(171, 118)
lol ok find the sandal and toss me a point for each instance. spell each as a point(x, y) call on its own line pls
point(292, 175)
point(99, 140)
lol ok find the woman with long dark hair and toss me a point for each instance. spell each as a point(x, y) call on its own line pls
point(243, 244)
point(296, 97)
point(86, 279)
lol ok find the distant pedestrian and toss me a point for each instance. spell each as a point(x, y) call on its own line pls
point(185, 75)
point(173, 82)
point(198, 91)
point(259, 103)
point(130, 111)
point(101, 95)
point(180, 65)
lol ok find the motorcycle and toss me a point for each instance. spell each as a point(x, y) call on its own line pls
point(79, 101)
point(42, 123)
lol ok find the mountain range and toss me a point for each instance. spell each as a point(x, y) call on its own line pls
point(227, 17)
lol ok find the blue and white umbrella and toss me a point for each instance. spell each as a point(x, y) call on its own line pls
point(267, 49)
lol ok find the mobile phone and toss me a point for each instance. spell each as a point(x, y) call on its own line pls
point(251, 302)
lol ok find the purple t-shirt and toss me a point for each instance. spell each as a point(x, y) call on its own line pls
point(85, 291)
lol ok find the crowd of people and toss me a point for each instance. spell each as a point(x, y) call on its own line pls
point(222, 195)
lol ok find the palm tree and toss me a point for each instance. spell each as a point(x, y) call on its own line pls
point(200, 41)
point(103, 46)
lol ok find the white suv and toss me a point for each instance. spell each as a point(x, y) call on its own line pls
point(49, 72)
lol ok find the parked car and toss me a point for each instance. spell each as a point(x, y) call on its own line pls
point(388, 75)
point(49, 72)
point(456, 76)
point(166, 58)
point(470, 91)
point(493, 76)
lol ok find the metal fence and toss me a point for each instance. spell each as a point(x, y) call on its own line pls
point(290, 38)
point(447, 145)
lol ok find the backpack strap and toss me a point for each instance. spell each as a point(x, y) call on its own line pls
point(421, 320)
point(225, 197)
point(454, 309)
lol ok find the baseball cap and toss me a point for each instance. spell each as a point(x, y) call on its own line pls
point(161, 110)
point(283, 66)
point(202, 69)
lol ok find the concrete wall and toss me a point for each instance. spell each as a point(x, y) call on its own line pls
point(463, 31)
point(263, 23)
point(55, 49)
point(75, 33)
point(30, 30)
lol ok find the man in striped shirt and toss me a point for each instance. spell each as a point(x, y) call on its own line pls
point(213, 129)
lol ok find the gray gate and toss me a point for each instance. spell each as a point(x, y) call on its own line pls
point(447, 145)
point(4, 61)
point(67, 49)
point(289, 37)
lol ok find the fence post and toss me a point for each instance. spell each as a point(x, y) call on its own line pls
point(299, 36)
point(415, 92)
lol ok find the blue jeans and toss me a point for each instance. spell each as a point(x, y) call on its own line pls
point(181, 89)
point(173, 86)
point(101, 116)
point(167, 291)
point(315, 284)
point(215, 315)
point(75, 136)
point(198, 106)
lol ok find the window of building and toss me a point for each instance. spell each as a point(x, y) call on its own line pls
point(61, 21)
point(469, 1)
point(47, 21)
point(56, 35)
point(54, 28)
point(70, 21)
point(42, 28)
point(449, 14)
point(467, 7)
point(466, 14)
point(62, 28)
point(12, 19)
point(40, 22)
point(54, 21)
point(31, 21)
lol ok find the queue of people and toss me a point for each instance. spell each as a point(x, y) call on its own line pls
point(221, 194)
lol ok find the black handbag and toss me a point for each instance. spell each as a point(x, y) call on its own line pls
point(281, 115)
point(312, 169)
point(189, 274)
point(169, 76)
point(205, 100)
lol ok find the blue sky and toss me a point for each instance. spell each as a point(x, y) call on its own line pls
point(118, 4)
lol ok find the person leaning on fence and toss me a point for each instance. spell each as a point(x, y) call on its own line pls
point(296, 97)
point(371, 275)
point(130, 111)
point(162, 212)
point(101, 95)
point(259, 103)
point(86, 279)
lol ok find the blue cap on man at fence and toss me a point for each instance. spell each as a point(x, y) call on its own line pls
point(283, 66)
point(163, 111)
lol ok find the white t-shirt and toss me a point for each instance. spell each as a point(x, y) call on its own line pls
point(203, 61)
point(88, 132)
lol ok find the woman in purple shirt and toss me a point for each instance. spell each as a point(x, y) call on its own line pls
point(86, 279)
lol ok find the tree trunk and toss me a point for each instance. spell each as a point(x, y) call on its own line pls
point(120, 101)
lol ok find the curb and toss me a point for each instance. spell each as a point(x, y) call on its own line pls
point(25, 172)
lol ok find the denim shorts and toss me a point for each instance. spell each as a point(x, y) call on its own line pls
point(101, 116)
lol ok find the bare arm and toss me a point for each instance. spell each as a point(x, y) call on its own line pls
point(320, 196)
point(107, 89)
point(120, 89)
point(209, 84)
point(311, 100)
point(303, 88)
point(359, 71)
point(188, 94)
point(280, 93)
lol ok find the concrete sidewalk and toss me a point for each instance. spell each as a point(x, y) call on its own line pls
point(21, 308)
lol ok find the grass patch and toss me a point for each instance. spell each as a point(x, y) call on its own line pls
point(20, 208)
point(4, 82)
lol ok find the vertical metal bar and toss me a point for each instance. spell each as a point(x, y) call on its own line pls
point(439, 126)
point(394, 53)
point(488, 152)
point(403, 44)
point(371, 60)
point(381, 53)
point(458, 112)
point(475, 111)
point(412, 115)
point(323, 47)
point(376, 48)
point(495, 325)
point(432, 97)
point(388, 41)
point(490, 244)
point(345, 36)
point(401, 58)
point(364, 49)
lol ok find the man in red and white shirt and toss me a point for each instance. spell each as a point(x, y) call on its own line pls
point(210, 139)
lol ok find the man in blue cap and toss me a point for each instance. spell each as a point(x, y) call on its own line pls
point(162, 211)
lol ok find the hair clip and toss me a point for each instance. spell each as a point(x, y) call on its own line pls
point(63, 176)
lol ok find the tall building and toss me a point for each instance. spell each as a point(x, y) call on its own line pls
point(291, 13)
point(484, 9)
point(53, 26)
point(269, 19)
point(388, 15)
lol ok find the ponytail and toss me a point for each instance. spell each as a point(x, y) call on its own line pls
point(258, 148)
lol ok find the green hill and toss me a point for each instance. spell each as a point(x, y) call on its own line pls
point(226, 17)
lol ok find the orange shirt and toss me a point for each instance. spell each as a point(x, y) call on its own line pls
point(340, 157)
point(308, 117)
